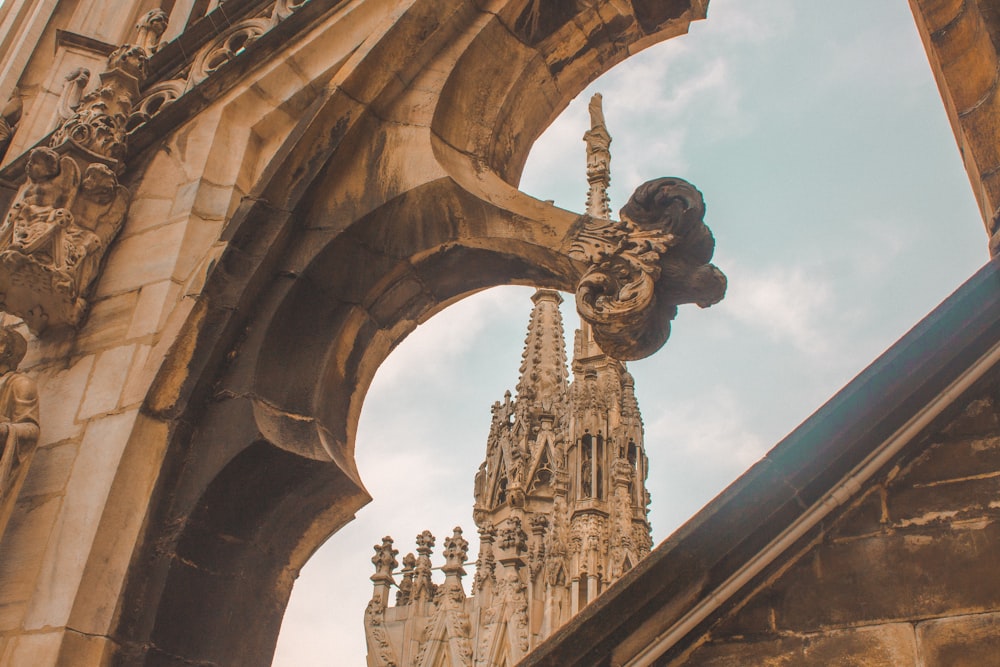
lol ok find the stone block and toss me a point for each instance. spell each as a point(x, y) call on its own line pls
point(864, 518)
point(89, 485)
point(49, 470)
point(904, 575)
point(141, 259)
point(31, 650)
point(149, 310)
point(964, 641)
point(878, 646)
point(944, 502)
point(955, 459)
point(139, 378)
point(147, 213)
point(60, 391)
point(107, 323)
point(199, 237)
point(21, 551)
point(106, 382)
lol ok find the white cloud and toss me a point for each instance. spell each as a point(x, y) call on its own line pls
point(696, 448)
point(447, 335)
point(790, 304)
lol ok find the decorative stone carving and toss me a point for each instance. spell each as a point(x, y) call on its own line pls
point(423, 587)
point(639, 269)
point(227, 47)
point(72, 92)
point(150, 29)
point(405, 593)
point(10, 114)
point(19, 424)
point(376, 635)
point(486, 562)
point(154, 99)
point(71, 206)
point(449, 625)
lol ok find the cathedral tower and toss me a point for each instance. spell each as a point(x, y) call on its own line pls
point(560, 501)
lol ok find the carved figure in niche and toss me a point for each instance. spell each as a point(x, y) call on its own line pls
point(98, 213)
point(10, 114)
point(585, 478)
point(150, 29)
point(480, 484)
point(18, 411)
point(72, 92)
point(35, 222)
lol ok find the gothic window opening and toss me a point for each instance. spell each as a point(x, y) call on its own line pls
point(543, 472)
point(500, 492)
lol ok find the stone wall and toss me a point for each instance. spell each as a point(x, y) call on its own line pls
point(905, 576)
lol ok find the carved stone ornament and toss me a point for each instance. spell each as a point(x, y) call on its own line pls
point(19, 424)
point(639, 269)
point(71, 205)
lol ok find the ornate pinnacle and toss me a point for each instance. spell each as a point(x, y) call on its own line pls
point(456, 548)
point(598, 161)
point(404, 594)
point(423, 587)
point(384, 560)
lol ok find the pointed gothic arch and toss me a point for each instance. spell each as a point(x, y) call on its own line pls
point(390, 196)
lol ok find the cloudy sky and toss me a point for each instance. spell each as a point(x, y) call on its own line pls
point(842, 215)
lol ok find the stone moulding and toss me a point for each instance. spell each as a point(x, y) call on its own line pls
point(639, 269)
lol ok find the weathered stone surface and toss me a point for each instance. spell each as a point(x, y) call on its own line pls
point(878, 646)
point(963, 641)
point(916, 545)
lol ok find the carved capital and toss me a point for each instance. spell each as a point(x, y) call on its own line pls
point(639, 269)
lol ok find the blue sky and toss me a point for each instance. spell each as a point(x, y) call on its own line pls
point(842, 215)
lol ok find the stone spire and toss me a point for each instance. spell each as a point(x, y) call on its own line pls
point(543, 377)
point(598, 161)
point(560, 499)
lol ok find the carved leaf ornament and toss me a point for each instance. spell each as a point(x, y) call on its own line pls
point(639, 269)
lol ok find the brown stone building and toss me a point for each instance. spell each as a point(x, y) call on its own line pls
point(213, 237)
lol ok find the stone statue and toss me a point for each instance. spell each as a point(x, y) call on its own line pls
point(150, 29)
point(18, 415)
point(72, 92)
point(34, 223)
point(10, 114)
point(98, 214)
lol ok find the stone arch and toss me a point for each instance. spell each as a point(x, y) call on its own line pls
point(391, 198)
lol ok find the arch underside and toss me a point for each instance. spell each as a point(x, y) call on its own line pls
point(393, 197)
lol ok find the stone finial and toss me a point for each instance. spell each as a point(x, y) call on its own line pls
point(405, 593)
point(598, 161)
point(423, 587)
point(384, 560)
point(456, 549)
